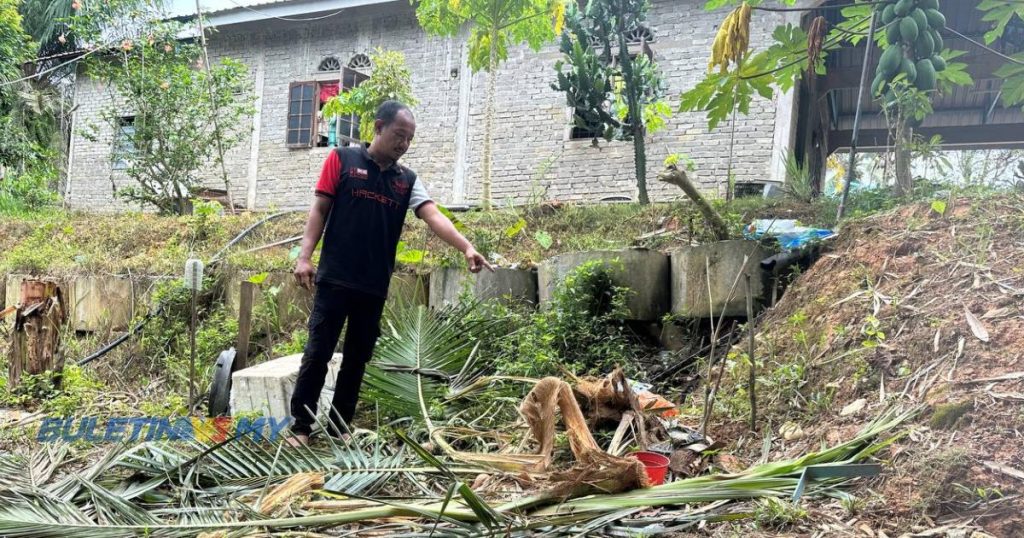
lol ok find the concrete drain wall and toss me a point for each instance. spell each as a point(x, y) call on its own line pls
point(691, 278)
point(510, 285)
point(644, 272)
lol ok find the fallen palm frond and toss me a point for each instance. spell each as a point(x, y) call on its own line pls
point(94, 511)
point(419, 352)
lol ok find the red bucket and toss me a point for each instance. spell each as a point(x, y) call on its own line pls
point(655, 464)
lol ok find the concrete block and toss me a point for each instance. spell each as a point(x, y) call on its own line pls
point(446, 285)
point(266, 389)
point(690, 278)
point(644, 272)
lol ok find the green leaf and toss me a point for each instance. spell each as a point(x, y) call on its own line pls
point(543, 239)
point(459, 225)
point(514, 230)
point(410, 256)
point(258, 278)
point(293, 254)
point(938, 206)
point(1013, 82)
point(999, 12)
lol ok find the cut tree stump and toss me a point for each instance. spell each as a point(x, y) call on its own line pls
point(39, 321)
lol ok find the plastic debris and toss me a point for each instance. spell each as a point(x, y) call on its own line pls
point(787, 231)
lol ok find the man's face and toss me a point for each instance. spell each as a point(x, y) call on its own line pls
point(393, 140)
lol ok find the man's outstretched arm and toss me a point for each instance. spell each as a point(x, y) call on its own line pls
point(443, 228)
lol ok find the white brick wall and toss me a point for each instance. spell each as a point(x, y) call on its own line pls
point(530, 127)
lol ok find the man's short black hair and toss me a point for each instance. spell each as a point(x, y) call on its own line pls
point(387, 111)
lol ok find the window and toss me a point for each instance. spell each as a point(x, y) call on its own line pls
point(307, 126)
point(300, 113)
point(329, 63)
point(124, 143)
point(360, 61)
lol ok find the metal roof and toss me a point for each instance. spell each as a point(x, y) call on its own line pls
point(228, 12)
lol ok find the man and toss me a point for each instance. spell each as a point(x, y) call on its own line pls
point(360, 205)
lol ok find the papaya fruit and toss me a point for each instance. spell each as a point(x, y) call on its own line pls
point(903, 7)
point(889, 63)
point(937, 38)
point(889, 14)
point(925, 75)
point(925, 47)
point(908, 30)
point(939, 63)
point(920, 18)
point(909, 69)
point(928, 4)
point(935, 18)
point(892, 33)
point(876, 85)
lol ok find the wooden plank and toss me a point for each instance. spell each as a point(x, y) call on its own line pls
point(246, 290)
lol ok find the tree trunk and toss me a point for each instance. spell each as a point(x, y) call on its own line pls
point(904, 179)
point(38, 325)
point(678, 177)
point(636, 117)
point(492, 63)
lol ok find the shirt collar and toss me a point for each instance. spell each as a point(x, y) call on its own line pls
point(366, 154)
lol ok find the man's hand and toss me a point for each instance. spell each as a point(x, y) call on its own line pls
point(476, 261)
point(304, 273)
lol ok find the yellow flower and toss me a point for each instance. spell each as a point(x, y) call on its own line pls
point(454, 4)
point(559, 16)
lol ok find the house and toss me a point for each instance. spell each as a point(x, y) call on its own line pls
point(300, 52)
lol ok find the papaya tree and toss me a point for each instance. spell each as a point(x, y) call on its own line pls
point(494, 27)
point(742, 73)
point(613, 93)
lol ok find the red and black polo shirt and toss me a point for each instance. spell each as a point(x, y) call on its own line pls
point(362, 230)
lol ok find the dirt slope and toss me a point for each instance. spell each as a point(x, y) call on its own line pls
point(886, 315)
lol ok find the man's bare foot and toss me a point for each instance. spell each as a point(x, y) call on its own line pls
point(297, 440)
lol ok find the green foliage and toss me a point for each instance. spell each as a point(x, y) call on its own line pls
point(16, 47)
point(28, 191)
point(674, 159)
point(773, 513)
point(597, 76)
point(183, 110)
point(780, 65)
point(1000, 13)
point(613, 94)
point(390, 80)
point(1013, 81)
point(495, 25)
point(165, 339)
point(798, 180)
point(76, 388)
point(582, 330)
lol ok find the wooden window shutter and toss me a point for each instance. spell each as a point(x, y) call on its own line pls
point(301, 114)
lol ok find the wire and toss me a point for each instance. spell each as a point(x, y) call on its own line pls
point(818, 8)
point(54, 68)
point(289, 19)
point(984, 46)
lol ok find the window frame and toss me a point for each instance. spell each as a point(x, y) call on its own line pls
point(121, 156)
point(340, 77)
point(312, 116)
